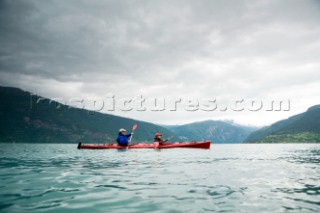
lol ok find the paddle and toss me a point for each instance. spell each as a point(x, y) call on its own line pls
point(169, 138)
point(156, 146)
point(133, 128)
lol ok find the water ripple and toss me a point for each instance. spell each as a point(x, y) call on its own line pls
point(228, 178)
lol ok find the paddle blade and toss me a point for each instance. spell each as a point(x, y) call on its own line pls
point(134, 127)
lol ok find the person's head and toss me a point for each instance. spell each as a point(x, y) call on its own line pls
point(122, 131)
point(157, 135)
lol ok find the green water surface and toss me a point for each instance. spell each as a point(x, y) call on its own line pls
point(228, 178)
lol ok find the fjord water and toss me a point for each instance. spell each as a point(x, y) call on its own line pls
point(227, 178)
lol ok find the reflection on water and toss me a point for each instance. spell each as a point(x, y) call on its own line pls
point(227, 178)
point(307, 189)
point(305, 156)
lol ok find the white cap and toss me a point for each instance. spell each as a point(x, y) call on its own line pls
point(122, 130)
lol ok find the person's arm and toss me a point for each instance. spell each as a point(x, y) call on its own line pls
point(129, 135)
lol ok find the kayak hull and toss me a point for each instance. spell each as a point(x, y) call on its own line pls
point(194, 145)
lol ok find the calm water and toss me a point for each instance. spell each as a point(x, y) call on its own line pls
point(227, 178)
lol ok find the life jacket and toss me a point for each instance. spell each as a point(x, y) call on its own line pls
point(123, 139)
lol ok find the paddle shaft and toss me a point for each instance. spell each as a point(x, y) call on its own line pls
point(131, 137)
point(133, 128)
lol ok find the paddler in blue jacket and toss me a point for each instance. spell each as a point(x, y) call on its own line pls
point(123, 137)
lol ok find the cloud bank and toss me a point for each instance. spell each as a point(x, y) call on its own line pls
point(228, 50)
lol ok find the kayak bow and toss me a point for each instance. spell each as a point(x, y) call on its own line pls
point(198, 145)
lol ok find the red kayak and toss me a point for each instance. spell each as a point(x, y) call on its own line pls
point(198, 145)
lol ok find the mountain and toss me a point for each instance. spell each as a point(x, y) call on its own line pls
point(27, 118)
point(301, 128)
point(216, 131)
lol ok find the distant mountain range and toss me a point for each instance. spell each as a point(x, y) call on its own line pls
point(301, 128)
point(216, 131)
point(22, 119)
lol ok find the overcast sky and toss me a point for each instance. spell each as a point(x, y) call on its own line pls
point(225, 50)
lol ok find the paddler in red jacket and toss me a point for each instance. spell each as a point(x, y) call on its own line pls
point(158, 138)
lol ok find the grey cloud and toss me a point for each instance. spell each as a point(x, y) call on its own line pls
point(178, 48)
